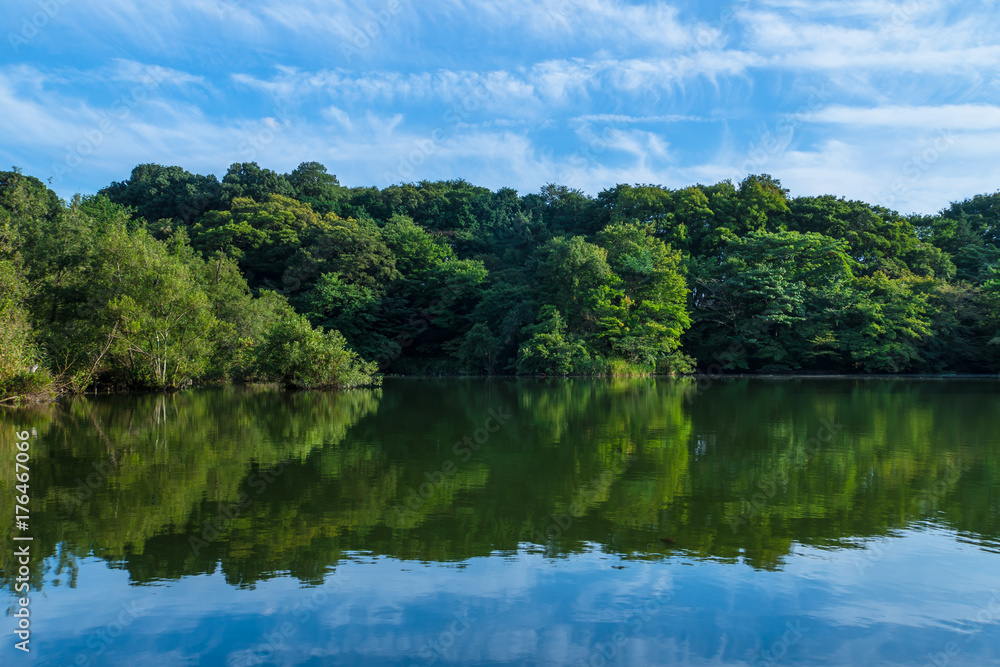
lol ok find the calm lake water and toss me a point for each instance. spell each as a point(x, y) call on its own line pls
point(454, 521)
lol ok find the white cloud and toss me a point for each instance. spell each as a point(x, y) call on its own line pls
point(536, 89)
point(918, 37)
point(910, 173)
point(333, 18)
point(348, 29)
point(132, 71)
point(855, 8)
point(522, 92)
point(339, 116)
point(949, 116)
point(560, 81)
point(605, 23)
point(644, 146)
point(623, 119)
point(841, 57)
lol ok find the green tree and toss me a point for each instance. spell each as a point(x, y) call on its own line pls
point(351, 308)
point(238, 315)
point(480, 349)
point(354, 249)
point(569, 273)
point(761, 204)
point(262, 237)
point(248, 179)
point(879, 239)
point(646, 204)
point(770, 297)
point(549, 350)
point(27, 211)
point(19, 355)
point(643, 315)
point(504, 310)
point(884, 328)
point(566, 211)
point(310, 180)
point(298, 355)
point(156, 192)
point(161, 322)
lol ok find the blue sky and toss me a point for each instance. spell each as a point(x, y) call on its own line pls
point(892, 103)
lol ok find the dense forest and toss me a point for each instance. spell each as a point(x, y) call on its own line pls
point(169, 278)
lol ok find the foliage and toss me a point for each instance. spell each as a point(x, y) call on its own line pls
point(19, 374)
point(249, 180)
point(171, 277)
point(298, 355)
point(480, 349)
point(311, 182)
point(160, 321)
point(549, 350)
point(261, 236)
point(172, 194)
point(88, 295)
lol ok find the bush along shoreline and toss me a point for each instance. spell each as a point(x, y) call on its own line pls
point(169, 279)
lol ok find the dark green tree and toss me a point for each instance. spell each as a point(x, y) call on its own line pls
point(156, 193)
point(248, 179)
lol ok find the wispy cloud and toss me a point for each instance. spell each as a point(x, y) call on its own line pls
point(605, 22)
point(622, 119)
point(561, 83)
point(916, 37)
point(517, 93)
point(951, 116)
point(132, 71)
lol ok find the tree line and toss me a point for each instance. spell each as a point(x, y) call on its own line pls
point(169, 277)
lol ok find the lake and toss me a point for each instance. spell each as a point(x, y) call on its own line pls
point(513, 521)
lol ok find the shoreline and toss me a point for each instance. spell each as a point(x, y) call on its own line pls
point(770, 376)
point(28, 401)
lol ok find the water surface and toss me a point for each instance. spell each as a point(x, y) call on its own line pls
point(457, 521)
